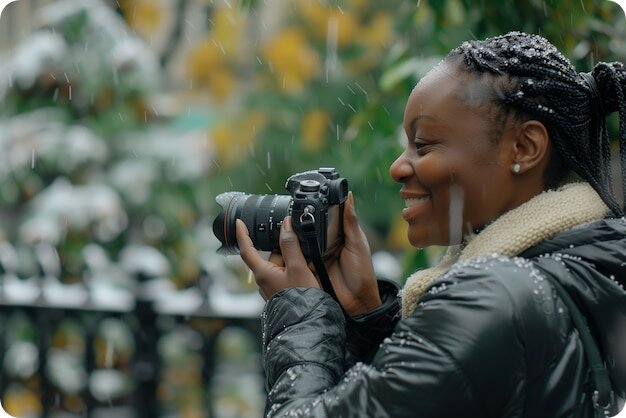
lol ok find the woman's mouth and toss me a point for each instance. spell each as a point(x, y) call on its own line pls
point(414, 206)
point(416, 201)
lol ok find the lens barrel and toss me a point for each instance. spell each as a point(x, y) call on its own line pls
point(262, 214)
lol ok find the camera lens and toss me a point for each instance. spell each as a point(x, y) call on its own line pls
point(262, 215)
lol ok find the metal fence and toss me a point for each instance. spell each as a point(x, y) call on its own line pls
point(95, 362)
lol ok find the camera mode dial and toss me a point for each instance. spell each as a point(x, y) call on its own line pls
point(310, 185)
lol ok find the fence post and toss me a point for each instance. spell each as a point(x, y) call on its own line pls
point(146, 365)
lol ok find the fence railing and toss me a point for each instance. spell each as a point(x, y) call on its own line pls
point(59, 361)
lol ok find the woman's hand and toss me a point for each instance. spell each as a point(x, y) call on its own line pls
point(350, 270)
point(281, 271)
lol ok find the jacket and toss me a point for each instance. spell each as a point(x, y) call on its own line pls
point(489, 337)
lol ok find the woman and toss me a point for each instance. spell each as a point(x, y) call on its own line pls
point(492, 132)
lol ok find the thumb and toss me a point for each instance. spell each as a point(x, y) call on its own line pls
point(350, 221)
point(353, 233)
point(290, 244)
point(247, 251)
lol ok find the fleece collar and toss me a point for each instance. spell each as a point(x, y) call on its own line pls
point(541, 218)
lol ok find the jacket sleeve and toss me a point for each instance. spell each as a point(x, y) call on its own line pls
point(364, 333)
point(462, 352)
point(304, 351)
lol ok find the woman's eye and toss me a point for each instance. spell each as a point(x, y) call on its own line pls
point(421, 147)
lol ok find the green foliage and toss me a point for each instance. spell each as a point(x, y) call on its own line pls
point(363, 133)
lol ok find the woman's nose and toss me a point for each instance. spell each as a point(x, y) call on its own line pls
point(400, 168)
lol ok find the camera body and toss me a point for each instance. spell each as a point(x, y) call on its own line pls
point(315, 197)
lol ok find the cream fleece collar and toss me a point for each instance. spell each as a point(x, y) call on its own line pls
point(541, 218)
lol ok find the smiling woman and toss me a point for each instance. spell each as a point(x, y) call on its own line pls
point(457, 168)
point(525, 314)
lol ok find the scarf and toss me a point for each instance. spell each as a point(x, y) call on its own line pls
point(541, 218)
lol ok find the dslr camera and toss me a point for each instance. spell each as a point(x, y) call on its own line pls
point(315, 197)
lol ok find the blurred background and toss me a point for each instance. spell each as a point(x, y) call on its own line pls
point(120, 121)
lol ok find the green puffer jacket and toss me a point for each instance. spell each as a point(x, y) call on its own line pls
point(491, 338)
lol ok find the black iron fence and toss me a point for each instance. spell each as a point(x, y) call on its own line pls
point(140, 361)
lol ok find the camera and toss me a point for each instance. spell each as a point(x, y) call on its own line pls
point(315, 198)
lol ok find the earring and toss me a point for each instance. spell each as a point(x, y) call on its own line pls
point(516, 168)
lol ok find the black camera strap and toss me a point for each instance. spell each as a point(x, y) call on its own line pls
point(311, 240)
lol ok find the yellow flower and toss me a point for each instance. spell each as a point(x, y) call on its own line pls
point(320, 17)
point(232, 138)
point(204, 57)
point(213, 61)
point(207, 66)
point(224, 139)
point(228, 28)
point(144, 16)
point(313, 129)
point(347, 27)
point(294, 62)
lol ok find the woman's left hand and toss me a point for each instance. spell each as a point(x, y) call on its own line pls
point(281, 271)
point(351, 271)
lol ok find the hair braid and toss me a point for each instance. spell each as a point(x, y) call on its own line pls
point(532, 79)
point(611, 78)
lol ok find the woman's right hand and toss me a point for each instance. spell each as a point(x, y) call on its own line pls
point(350, 269)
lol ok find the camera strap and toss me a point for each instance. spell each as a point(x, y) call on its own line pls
point(312, 242)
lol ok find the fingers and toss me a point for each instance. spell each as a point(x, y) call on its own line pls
point(283, 270)
point(349, 213)
point(248, 253)
point(351, 228)
point(267, 274)
point(290, 246)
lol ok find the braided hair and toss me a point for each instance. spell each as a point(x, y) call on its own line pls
point(530, 78)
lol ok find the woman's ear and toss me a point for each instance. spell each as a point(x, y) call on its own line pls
point(530, 146)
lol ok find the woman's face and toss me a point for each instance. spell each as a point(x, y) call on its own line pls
point(455, 177)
